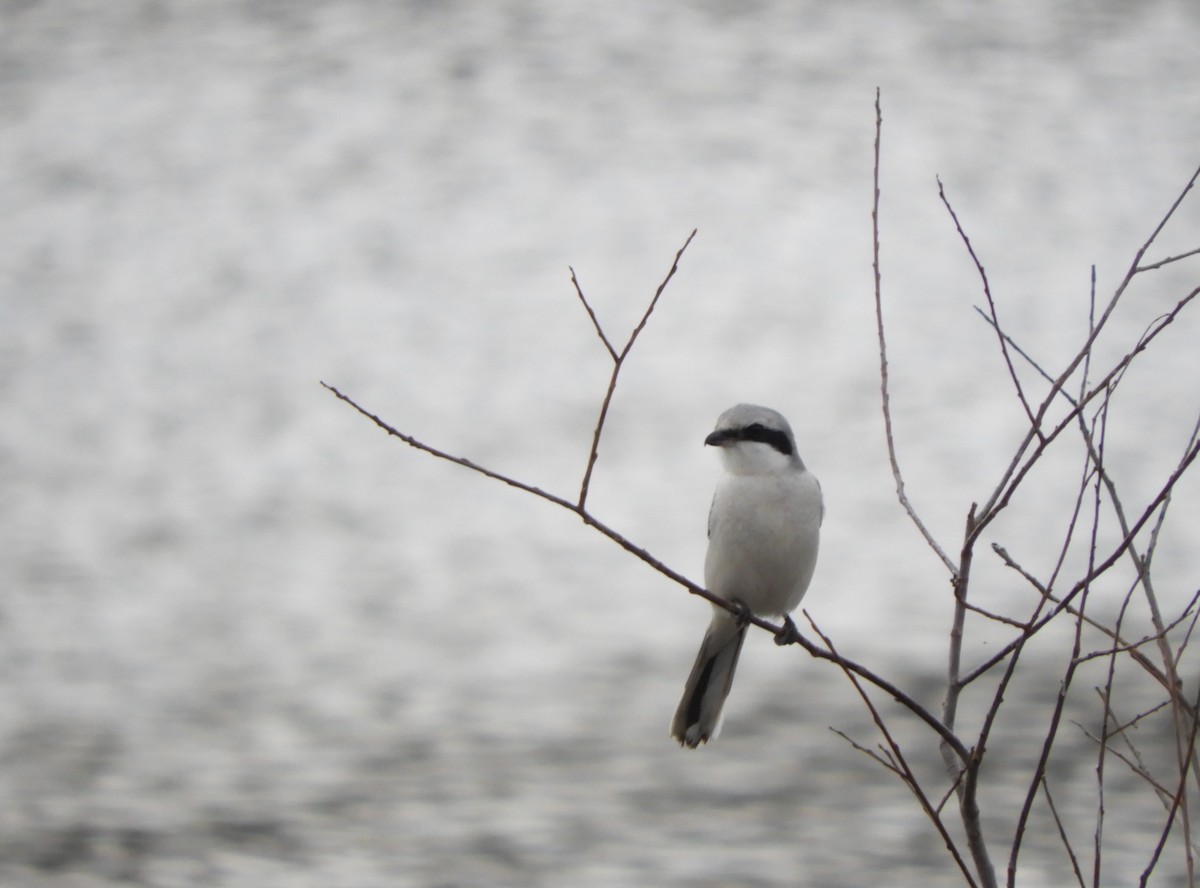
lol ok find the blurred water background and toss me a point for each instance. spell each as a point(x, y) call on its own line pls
point(247, 639)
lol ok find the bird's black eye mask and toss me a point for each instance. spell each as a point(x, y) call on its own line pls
point(754, 432)
point(774, 437)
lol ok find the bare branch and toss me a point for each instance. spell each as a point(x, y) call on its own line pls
point(1136, 265)
point(1062, 832)
point(955, 763)
point(1178, 800)
point(1012, 343)
point(1134, 759)
point(1160, 263)
point(1013, 476)
point(951, 790)
point(827, 653)
point(1121, 729)
point(876, 757)
point(897, 475)
point(457, 460)
point(1044, 589)
point(1008, 481)
point(579, 508)
point(657, 293)
point(1167, 678)
point(1119, 643)
point(1098, 570)
point(987, 292)
point(995, 617)
point(591, 314)
point(1121, 646)
point(574, 508)
point(1039, 772)
point(954, 685)
point(777, 630)
point(899, 765)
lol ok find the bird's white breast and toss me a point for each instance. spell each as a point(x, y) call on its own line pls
point(763, 538)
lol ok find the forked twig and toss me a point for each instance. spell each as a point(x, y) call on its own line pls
point(897, 763)
point(1017, 470)
point(1010, 478)
point(884, 760)
point(618, 361)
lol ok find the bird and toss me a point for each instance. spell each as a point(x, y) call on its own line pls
point(763, 534)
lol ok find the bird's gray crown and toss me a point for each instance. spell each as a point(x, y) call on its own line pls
point(750, 422)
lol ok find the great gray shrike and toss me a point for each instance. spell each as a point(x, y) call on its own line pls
point(763, 530)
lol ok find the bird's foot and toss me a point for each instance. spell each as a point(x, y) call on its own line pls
point(789, 634)
point(741, 613)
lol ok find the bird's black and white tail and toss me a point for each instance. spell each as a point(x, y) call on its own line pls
point(698, 717)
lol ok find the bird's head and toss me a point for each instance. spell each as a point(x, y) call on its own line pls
point(754, 441)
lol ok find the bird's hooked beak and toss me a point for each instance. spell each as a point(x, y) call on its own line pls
point(721, 437)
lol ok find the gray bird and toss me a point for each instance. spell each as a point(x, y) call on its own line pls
point(763, 532)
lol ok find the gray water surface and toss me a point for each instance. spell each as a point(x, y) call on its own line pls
point(246, 639)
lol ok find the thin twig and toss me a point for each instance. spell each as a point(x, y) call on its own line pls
point(951, 790)
point(1128, 647)
point(1137, 259)
point(995, 617)
point(1135, 764)
point(1062, 832)
point(897, 475)
point(1161, 262)
point(587, 306)
point(572, 507)
point(869, 753)
point(1122, 729)
point(987, 292)
point(1121, 646)
point(954, 684)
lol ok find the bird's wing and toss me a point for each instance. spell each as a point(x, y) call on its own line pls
point(711, 513)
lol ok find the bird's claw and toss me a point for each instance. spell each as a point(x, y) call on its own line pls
point(741, 613)
point(789, 634)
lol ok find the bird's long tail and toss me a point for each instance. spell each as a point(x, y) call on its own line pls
point(698, 717)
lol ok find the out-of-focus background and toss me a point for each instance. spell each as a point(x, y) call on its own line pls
point(247, 639)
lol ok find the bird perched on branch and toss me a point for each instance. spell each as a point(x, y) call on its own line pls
point(763, 532)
